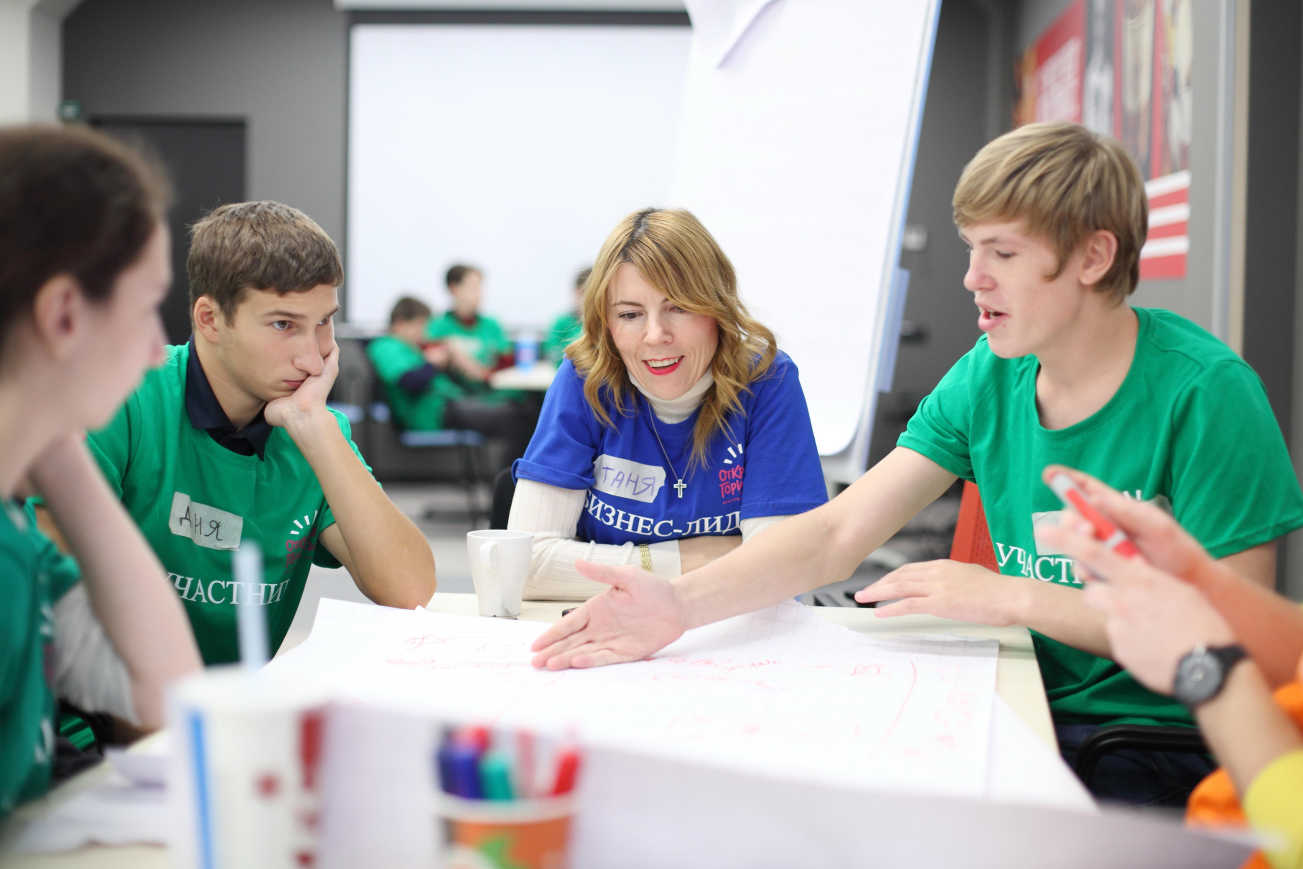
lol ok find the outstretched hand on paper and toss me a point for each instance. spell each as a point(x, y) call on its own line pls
point(638, 615)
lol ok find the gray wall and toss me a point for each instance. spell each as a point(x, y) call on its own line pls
point(279, 64)
point(957, 121)
point(1293, 580)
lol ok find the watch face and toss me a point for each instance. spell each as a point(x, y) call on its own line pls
point(1198, 676)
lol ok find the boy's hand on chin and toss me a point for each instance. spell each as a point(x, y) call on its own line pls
point(309, 400)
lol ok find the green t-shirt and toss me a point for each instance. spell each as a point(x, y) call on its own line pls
point(1189, 427)
point(33, 575)
point(565, 328)
point(393, 357)
point(484, 340)
point(195, 501)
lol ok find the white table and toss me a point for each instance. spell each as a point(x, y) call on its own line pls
point(536, 378)
point(1018, 682)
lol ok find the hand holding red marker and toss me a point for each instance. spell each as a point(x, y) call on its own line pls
point(1112, 536)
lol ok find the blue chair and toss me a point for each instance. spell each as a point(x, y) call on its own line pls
point(440, 455)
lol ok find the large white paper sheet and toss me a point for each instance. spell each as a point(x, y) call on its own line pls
point(1023, 769)
point(781, 692)
point(113, 812)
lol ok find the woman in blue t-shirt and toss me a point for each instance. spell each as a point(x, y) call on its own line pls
point(675, 427)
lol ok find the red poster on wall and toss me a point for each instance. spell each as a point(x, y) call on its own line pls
point(1122, 67)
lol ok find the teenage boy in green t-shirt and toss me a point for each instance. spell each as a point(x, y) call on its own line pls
point(230, 440)
point(484, 345)
point(1066, 372)
point(481, 337)
point(413, 369)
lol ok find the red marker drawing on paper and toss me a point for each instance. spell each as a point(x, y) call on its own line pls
point(1114, 537)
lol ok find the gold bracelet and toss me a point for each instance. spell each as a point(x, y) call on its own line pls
point(644, 552)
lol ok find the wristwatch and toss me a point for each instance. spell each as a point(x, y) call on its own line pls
point(1202, 671)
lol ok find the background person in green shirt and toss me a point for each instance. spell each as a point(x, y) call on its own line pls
point(414, 369)
point(230, 440)
point(568, 326)
point(1066, 372)
point(83, 269)
point(418, 376)
point(478, 336)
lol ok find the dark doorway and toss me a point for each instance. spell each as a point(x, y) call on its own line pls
point(205, 159)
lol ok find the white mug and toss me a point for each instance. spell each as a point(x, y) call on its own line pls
point(499, 562)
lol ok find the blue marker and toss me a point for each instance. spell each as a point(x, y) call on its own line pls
point(462, 777)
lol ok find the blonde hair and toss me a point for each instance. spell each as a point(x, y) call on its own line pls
point(677, 255)
point(1063, 182)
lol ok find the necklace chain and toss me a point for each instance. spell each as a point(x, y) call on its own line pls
point(679, 485)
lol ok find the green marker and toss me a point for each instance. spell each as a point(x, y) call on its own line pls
point(495, 776)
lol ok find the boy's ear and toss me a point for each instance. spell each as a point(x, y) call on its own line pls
point(1097, 254)
point(59, 315)
point(208, 318)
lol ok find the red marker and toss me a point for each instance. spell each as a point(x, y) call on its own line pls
point(1114, 537)
point(525, 763)
point(567, 770)
point(477, 736)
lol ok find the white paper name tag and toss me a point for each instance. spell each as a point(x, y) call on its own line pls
point(206, 526)
point(628, 479)
point(1040, 520)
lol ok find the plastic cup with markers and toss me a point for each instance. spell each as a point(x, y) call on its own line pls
point(505, 799)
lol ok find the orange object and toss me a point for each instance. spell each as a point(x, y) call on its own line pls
point(1214, 802)
point(972, 541)
point(527, 834)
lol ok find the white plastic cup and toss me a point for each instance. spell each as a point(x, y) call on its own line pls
point(499, 562)
point(246, 757)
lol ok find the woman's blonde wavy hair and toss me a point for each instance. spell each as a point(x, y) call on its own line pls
point(677, 255)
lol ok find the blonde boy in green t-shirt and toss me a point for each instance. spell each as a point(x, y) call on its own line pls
point(1066, 372)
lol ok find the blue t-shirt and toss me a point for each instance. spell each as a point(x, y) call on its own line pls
point(764, 462)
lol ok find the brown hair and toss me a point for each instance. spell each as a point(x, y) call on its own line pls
point(260, 246)
point(72, 201)
point(408, 308)
point(1064, 182)
point(457, 273)
point(677, 255)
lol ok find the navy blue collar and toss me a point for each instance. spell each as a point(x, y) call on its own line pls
point(204, 411)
